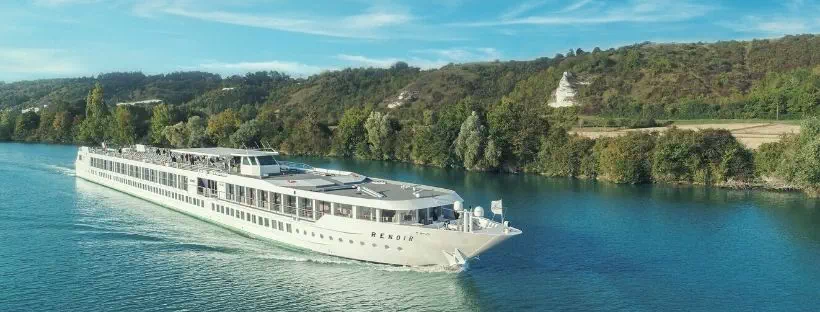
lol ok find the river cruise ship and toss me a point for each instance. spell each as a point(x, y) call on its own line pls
point(333, 212)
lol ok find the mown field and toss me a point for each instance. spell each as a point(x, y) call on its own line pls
point(752, 133)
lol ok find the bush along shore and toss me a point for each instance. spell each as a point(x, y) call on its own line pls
point(507, 138)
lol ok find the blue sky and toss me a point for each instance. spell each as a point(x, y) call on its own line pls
point(66, 38)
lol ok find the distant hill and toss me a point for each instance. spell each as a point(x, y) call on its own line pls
point(731, 79)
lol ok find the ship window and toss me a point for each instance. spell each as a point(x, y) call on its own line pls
point(266, 160)
point(253, 161)
point(399, 248)
point(297, 231)
point(341, 240)
point(245, 161)
point(313, 234)
point(344, 210)
point(288, 227)
point(351, 241)
point(365, 213)
point(374, 245)
point(304, 232)
point(322, 236)
point(280, 225)
point(267, 222)
point(330, 237)
point(386, 247)
point(361, 243)
point(388, 215)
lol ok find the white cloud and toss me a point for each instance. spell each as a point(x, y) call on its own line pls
point(636, 11)
point(436, 58)
point(575, 6)
point(56, 3)
point(293, 68)
point(19, 62)
point(368, 24)
point(522, 8)
point(464, 54)
point(798, 18)
point(367, 61)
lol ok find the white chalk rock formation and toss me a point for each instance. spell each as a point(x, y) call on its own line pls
point(564, 95)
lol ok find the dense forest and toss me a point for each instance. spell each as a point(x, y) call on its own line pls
point(478, 116)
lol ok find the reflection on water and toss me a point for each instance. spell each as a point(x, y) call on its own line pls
point(76, 246)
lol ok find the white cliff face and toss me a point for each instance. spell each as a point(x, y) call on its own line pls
point(403, 98)
point(564, 95)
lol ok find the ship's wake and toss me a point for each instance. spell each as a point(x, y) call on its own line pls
point(61, 170)
point(330, 260)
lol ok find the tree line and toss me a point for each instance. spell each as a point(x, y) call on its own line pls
point(482, 116)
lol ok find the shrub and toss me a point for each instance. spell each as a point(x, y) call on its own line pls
point(626, 159)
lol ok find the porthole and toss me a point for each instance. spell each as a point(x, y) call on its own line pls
point(399, 248)
point(341, 240)
point(297, 231)
point(313, 234)
point(304, 232)
point(330, 237)
point(374, 245)
point(351, 241)
point(386, 247)
point(322, 236)
point(361, 243)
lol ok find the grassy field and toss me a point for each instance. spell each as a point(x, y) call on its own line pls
point(751, 133)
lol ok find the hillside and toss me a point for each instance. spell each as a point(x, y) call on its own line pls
point(731, 79)
point(486, 116)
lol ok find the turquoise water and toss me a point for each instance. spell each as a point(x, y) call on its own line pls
point(70, 245)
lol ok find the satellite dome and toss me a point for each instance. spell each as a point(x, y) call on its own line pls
point(458, 206)
point(478, 212)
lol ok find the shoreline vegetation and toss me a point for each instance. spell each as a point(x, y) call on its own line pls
point(491, 116)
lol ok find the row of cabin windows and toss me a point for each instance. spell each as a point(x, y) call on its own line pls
point(165, 178)
point(153, 189)
point(278, 225)
point(288, 204)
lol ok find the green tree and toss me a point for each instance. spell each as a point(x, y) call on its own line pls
point(124, 128)
point(25, 126)
point(45, 129)
point(160, 119)
point(247, 135)
point(176, 135)
point(471, 142)
point(518, 131)
point(309, 137)
point(564, 155)
point(95, 128)
point(380, 129)
point(350, 135)
point(626, 159)
point(198, 135)
point(7, 121)
point(221, 126)
point(677, 156)
point(62, 127)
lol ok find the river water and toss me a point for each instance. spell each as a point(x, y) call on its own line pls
point(70, 245)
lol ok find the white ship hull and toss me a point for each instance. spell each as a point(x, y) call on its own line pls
point(363, 240)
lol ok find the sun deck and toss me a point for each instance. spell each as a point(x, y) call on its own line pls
point(220, 161)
